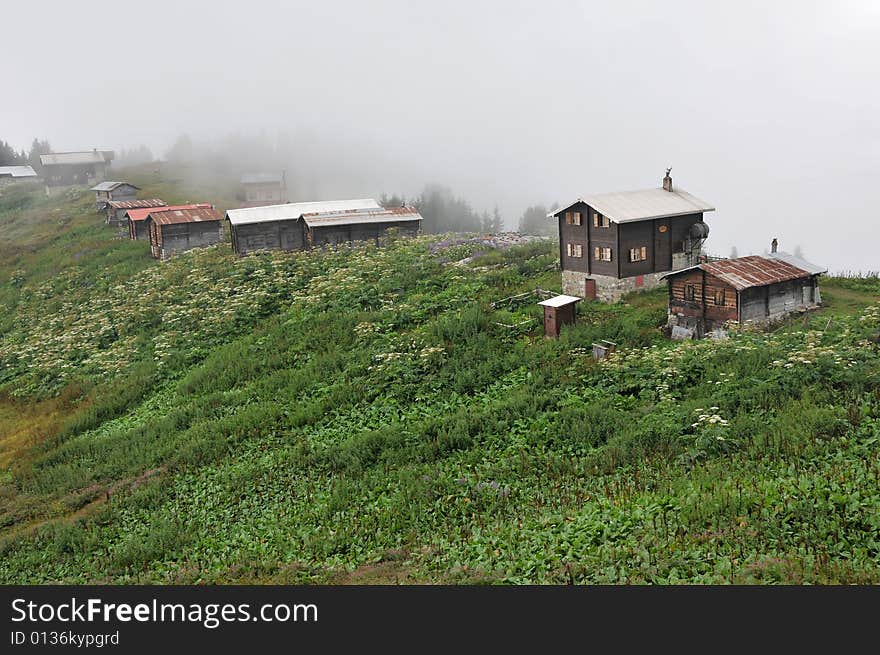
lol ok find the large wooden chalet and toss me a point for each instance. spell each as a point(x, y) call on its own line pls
point(613, 243)
point(298, 226)
point(758, 289)
point(65, 169)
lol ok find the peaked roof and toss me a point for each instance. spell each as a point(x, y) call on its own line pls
point(110, 185)
point(84, 157)
point(17, 171)
point(134, 204)
point(394, 214)
point(753, 271)
point(141, 214)
point(813, 269)
point(168, 216)
point(642, 205)
point(261, 178)
point(559, 301)
point(292, 211)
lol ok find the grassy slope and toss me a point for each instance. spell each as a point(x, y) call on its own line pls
point(358, 416)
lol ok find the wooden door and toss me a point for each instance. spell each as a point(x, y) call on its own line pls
point(589, 289)
point(662, 246)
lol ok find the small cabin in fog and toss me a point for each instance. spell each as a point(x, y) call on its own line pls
point(613, 243)
point(757, 288)
point(137, 218)
point(108, 190)
point(261, 189)
point(302, 225)
point(16, 174)
point(116, 209)
point(64, 169)
point(177, 230)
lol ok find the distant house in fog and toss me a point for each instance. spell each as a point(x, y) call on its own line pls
point(261, 189)
point(177, 230)
point(65, 169)
point(757, 288)
point(108, 190)
point(136, 218)
point(16, 174)
point(116, 208)
point(298, 226)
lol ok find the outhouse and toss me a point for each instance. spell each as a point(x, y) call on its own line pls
point(558, 311)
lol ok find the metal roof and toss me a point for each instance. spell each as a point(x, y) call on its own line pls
point(86, 157)
point(141, 214)
point(134, 204)
point(751, 271)
point(261, 178)
point(292, 211)
point(17, 171)
point(109, 186)
point(559, 301)
point(643, 205)
point(393, 215)
point(174, 216)
point(803, 264)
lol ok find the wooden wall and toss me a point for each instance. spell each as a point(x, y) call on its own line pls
point(706, 288)
point(165, 240)
point(660, 237)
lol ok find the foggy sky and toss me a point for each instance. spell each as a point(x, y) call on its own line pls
point(768, 110)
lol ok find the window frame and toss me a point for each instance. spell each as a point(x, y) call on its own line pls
point(638, 254)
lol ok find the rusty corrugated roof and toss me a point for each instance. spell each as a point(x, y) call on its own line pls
point(141, 214)
point(135, 204)
point(751, 271)
point(174, 216)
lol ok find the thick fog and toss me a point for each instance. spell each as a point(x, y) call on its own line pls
point(768, 110)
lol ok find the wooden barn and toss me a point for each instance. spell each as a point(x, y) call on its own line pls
point(297, 226)
point(177, 230)
point(613, 243)
point(757, 288)
point(108, 190)
point(65, 169)
point(262, 189)
point(116, 209)
point(136, 218)
point(16, 174)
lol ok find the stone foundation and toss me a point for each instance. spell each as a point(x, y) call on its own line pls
point(608, 289)
point(611, 289)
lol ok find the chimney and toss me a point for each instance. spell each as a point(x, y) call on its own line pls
point(773, 245)
point(667, 181)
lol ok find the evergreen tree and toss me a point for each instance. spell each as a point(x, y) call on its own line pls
point(8, 156)
point(535, 221)
point(497, 223)
point(38, 148)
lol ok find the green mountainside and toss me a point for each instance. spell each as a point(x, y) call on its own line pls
point(365, 415)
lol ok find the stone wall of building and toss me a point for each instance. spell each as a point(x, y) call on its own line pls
point(610, 289)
